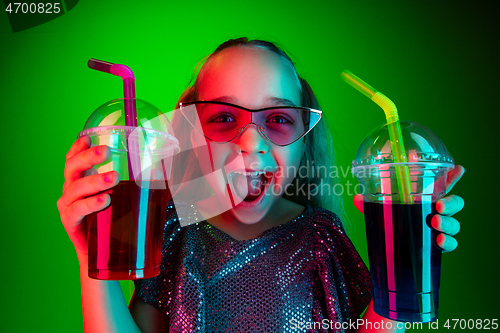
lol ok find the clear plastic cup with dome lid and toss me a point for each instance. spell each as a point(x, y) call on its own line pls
point(405, 263)
point(125, 238)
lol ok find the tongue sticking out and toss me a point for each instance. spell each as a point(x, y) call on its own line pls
point(249, 187)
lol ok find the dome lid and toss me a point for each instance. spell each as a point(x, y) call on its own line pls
point(422, 146)
point(112, 114)
point(106, 125)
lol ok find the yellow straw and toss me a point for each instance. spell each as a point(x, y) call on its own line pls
point(394, 128)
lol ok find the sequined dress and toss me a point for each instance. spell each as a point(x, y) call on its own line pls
point(296, 274)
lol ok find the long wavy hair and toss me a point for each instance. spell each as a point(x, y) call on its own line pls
point(319, 150)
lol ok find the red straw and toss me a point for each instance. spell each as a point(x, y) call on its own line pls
point(129, 93)
point(128, 86)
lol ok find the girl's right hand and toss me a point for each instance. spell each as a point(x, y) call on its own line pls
point(81, 194)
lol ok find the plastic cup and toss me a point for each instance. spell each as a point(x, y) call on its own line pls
point(405, 262)
point(125, 239)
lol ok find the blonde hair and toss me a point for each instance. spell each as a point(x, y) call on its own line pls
point(319, 148)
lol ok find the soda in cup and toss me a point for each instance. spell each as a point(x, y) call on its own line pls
point(405, 262)
point(125, 238)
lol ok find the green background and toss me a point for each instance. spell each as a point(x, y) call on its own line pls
point(436, 60)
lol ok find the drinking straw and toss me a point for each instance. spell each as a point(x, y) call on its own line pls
point(394, 128)
point(128, 86)
point(130, 107)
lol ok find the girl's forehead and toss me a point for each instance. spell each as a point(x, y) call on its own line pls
point(251, 76)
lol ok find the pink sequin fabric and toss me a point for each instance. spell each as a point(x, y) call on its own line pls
point(304, 271)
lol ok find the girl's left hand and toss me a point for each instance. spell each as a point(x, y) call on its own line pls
point(445, 207)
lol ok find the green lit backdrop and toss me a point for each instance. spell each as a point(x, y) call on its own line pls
point(436, 61)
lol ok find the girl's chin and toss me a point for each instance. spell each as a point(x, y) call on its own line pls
point(248, 215)
point(251, 212)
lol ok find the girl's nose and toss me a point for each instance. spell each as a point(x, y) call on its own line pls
point(251, 141)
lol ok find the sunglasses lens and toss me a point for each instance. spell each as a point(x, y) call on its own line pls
point(223, 123)
point(286, 125)
point(217, 122)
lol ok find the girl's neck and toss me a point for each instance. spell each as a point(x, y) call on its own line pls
point(282, 212)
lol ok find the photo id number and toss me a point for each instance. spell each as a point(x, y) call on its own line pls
point(40, 8)
point(471, 324)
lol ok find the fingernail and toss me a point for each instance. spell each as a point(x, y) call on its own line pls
point(436, 221)
point(440, 206)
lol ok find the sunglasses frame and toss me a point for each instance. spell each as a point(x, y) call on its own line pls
point(240, 130)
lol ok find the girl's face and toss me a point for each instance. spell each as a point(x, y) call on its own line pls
point(254, 78)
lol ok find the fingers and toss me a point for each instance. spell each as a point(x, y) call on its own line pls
point(82, 161)
point(454, 176)
point(446, 243)
point(446, 224)
point(79, 209)
point(450, 205)
point(79, 145)
point(88, 186)
point(358, 202)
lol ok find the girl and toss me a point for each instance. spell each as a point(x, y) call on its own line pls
point(267, 256)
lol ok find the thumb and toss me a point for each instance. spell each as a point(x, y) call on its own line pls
point(358, 202)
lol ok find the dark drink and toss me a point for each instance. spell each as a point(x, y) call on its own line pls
point(125, 239)
point(405, 264)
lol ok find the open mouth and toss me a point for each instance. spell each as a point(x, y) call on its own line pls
point(249, 185)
